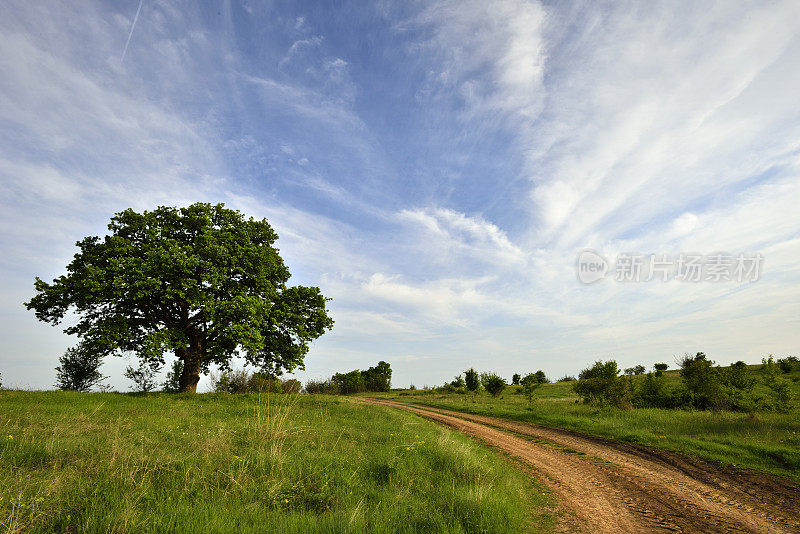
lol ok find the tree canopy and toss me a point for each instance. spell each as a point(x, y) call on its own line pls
point(201, 281)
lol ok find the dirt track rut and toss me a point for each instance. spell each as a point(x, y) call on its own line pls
point(607, 486)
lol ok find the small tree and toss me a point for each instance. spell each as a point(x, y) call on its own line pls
point(352, 382)
point(779, 386)
point(635, 370)
point(541, 377)
point(458, 382)
point(788, 364)
point(378, 378)
point(702, 381)
point(264, 383)
point(768, 367)
point(472, 381)
point(530, 383)
point(143, 376)
point(660, 368)
point(738, 376)
point(782, 393)
point(235, 381)
point(515, 379)
point(493, 383)
point(321, 386)
point(172, 383)
point(291, 385)
point(79, 369)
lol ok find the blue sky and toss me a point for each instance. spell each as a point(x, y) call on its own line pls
point(435, 167)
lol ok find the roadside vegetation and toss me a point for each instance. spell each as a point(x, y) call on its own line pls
point(110, 462)
point(741, 415)
point(377, 378)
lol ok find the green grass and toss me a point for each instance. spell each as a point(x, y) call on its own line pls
point(766, 441)
point(74, 462)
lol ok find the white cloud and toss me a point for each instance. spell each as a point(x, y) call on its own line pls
point(657, 130)
point(447, 233)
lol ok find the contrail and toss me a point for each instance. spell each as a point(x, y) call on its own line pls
point(135, 18)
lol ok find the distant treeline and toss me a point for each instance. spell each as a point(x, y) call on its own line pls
point(378, 378)
point(702, 386)
point(242, 381)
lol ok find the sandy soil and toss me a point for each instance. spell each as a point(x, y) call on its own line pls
point(607, 486)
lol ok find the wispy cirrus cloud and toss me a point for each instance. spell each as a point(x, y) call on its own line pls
point(434, 167)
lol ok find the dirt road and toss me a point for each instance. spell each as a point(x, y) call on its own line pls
point(606, 486)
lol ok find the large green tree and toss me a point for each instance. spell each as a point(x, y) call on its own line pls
point(203, 282)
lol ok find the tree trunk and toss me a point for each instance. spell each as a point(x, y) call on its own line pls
point(192, 358)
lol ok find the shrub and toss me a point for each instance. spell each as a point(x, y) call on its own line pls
point(378, 378)
point(79, 369)
point(321, 386)
point(458, 382)
point(348, 383)
point(781, 392)
point(236, 381)
point(566, 378)
point(769, 367)
point(264, 383)
point(654, 393)
point(143, 376)
point(472, 381)
point(601, 384)
point(241, 381)
point(530, 384)
point(172, 383)
point(515, 379)
point(291, 385)
point(493, 383)
point(449, 388)
point(788, 364)
point(636, 370)
point(703, 382)
point(738, 376)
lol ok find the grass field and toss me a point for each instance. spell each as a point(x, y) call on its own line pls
point(766, 441)
point(99, 462)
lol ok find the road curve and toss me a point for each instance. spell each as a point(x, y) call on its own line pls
point(607, 486)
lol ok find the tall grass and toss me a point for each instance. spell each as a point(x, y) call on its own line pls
point(240, 463)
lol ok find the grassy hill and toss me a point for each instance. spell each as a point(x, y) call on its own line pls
point(98, 462)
